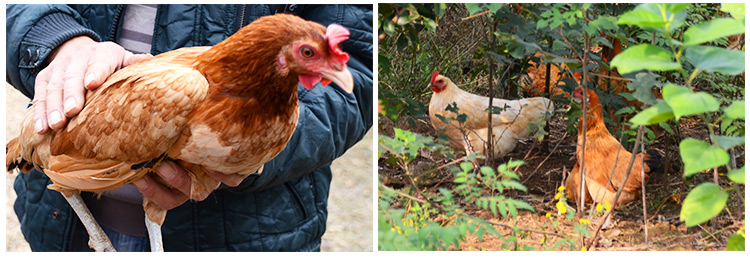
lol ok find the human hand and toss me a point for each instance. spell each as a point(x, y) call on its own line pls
point(78, 63)
point(180, 184)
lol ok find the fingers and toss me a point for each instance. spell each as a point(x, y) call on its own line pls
point(40, 101)
point(130, 58)
point(231, 180)
point(97, 72)
point(54, 97)
point(78, 64)
point(166, 198)
point(73, 86)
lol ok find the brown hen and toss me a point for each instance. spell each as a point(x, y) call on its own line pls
point(229, 108)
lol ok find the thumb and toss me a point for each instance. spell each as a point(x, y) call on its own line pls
point(134, 58)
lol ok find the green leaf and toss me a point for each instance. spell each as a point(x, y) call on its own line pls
point(541, 24)
point(736, 9)
point(473, 8)
point(727, 142)
point(495, 6)
point(430, 24)
point(644, 57)
point(703, 203)
point(738, 175)
point(736, 242)
point(659, 17)
point(715, 59)
point(642, 85)
point(699, 156)
point(487, 171)
point(642, 18)
point(466, 166)
point(676, 7)
point(658, 113)
point(712, 30)
point(388, 27)
point(736, 110)
point(684, 101)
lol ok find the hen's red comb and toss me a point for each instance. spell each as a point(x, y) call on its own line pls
point(434, 75)
point(335, 34)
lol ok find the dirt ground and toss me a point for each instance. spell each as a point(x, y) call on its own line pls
point(350, 221)
point(664, 192)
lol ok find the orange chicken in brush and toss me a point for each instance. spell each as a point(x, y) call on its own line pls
point(229, 108)
point(601, 152)
point(508, 127)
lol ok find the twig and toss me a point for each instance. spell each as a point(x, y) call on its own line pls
point(622, 186)
point(643, 193)
point(611, 77)
point(476, 15)
point(525, 229)
point(490, 148)
point(662, 204)
point(611, 174)
point(441, 166)
point(545, 159)
point(709, 233)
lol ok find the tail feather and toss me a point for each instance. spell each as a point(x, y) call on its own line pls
point(13, 159)
point(653, 159)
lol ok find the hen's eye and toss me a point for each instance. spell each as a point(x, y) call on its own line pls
point(307, 52)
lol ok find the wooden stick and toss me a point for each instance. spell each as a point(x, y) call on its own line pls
point(545, 159)
point(619, 190)
point(643, 194)
point(476, 15)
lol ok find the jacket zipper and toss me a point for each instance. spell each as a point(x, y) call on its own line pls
point(241, 18)
point(117, 22)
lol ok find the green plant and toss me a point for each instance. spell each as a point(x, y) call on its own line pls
point(407, 218)
point(687, 58)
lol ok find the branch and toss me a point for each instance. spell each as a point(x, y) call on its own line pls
point(622, 186)
point(545, 159)
point(643, 193)
point(476, 15)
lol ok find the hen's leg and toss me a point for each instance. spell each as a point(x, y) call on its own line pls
point(154, 219)
point(98, 240)
point(154, 236)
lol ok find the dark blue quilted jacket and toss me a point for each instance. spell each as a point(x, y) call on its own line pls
point(285, 208)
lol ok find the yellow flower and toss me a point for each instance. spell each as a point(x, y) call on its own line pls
point(547, 215)
point(599, 207)
point(561, 188)
point(584, 249)
point(396, 229)
point(584, 221)
point(561, 207)
point(741, 231)
point(558, 196)
point(607, 206)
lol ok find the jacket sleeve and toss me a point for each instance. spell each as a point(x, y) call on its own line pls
point(32, 32)
point(331, 120)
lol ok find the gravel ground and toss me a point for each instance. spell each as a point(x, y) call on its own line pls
point(350, 209)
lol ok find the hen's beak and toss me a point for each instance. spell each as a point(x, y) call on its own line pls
point(342, 77)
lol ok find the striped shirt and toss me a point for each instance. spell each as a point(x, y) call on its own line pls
point(138, 28)
point(121, 209)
